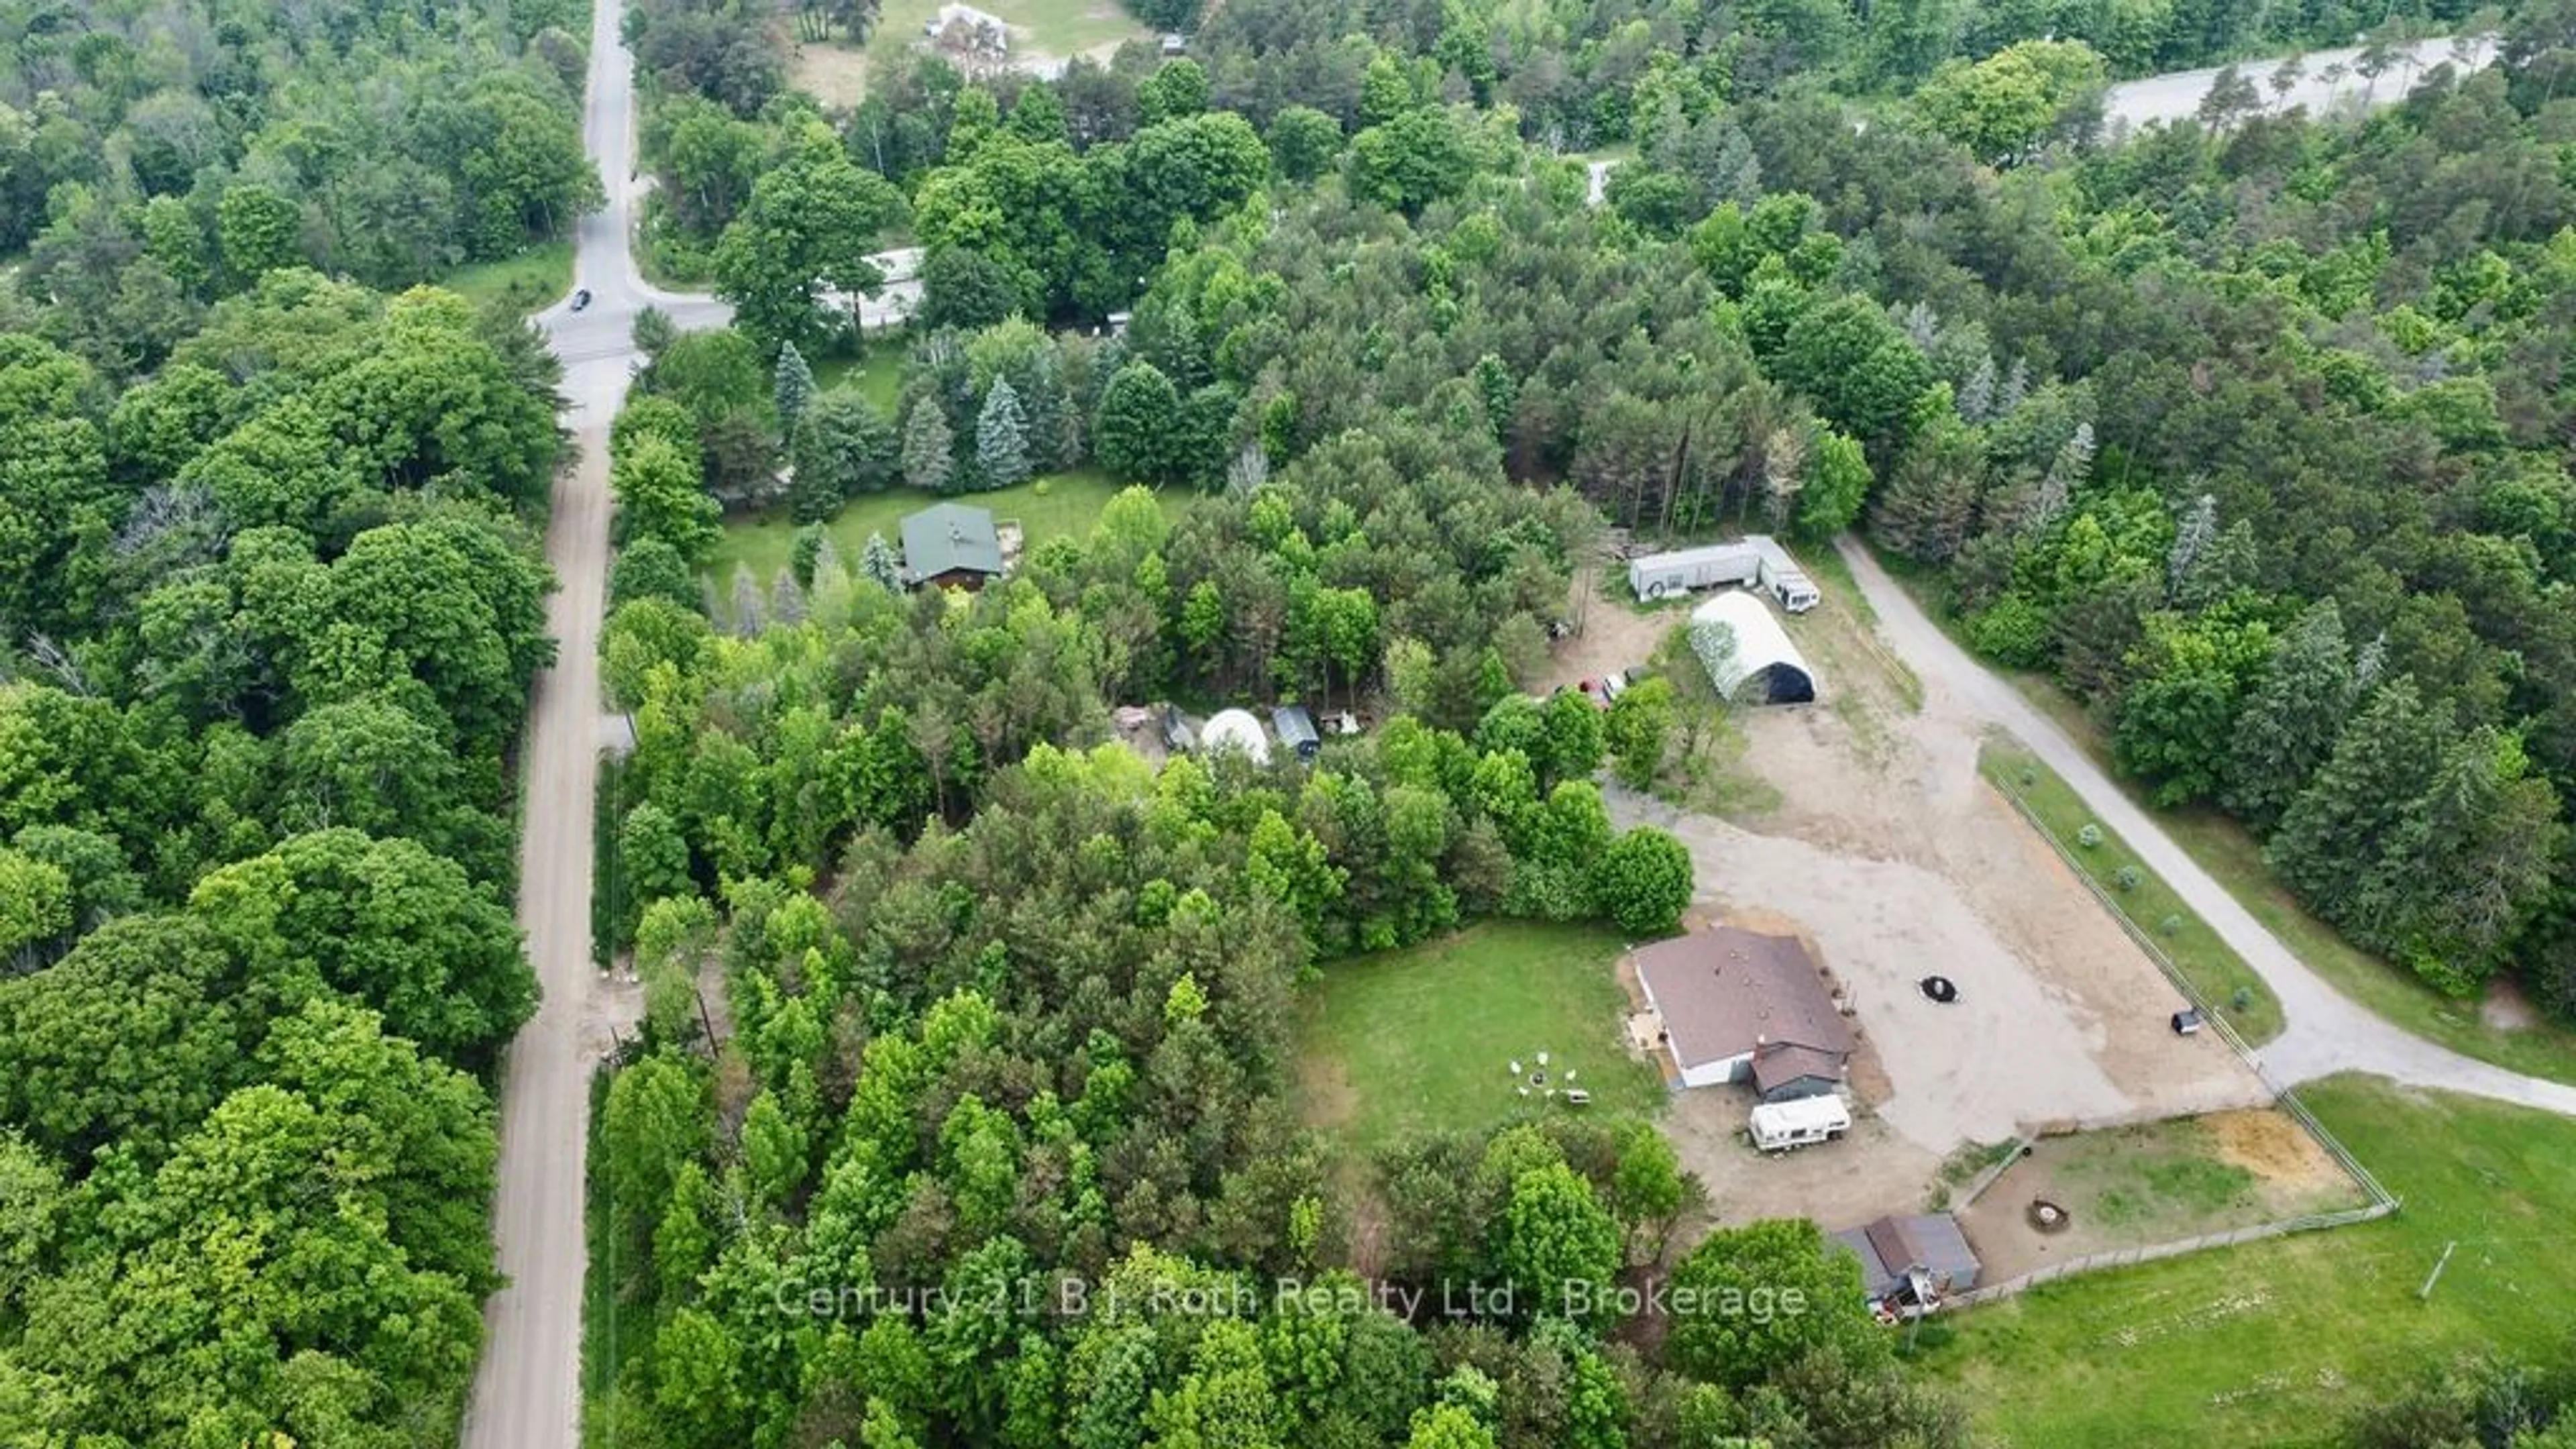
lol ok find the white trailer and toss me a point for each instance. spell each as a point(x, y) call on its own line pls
point(1780, 1126)
point(1756, 559)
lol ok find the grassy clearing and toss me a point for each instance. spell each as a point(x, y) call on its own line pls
point(1422, 1040)
point(2274, 1344)
point(877, 372)
point(1825, 564)
point(836, 74)
point(1069, 505)
point(530, 281)
point(2208, 962)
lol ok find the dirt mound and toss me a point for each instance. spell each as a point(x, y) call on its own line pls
point(2269, 1145)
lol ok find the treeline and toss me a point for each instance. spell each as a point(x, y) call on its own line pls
point(155, 158)
point(2250, 433)
point(271, 615)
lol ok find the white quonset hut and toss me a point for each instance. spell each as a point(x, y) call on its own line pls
point(1748, 654)
point(1237, 730)
point(1756, 559)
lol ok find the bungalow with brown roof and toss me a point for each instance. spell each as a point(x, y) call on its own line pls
point(1741, 1006)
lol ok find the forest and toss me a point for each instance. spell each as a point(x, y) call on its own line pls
point(968, 1048)
point(156, 158)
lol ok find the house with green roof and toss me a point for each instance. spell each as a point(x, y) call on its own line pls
point(951, 546)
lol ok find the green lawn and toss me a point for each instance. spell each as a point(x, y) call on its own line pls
point(877, 372)
point(836, 74)
point(2208, 962)
point(530, 281)
point(1070, 505)
point(2234, 858)
point(2275, 1343)
point(1423, 1039)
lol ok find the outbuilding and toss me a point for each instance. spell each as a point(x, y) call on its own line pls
point(1237, 731)
point(951, 546)
point(1739, 1006)
point(1756, 560)
point(1296, 730)
point(1747, 652)
point(1912, 1260)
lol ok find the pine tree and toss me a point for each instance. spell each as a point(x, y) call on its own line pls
point(794, 385)
point(877, 562)
point(786, 600)
point(2333, 834)
point(1977, 394)
point(929, 461)
point(2465, 867)
point(746, 601)
point(2194, 532)
point(1001, 437)
point(2291, 719)
point(1924, 509)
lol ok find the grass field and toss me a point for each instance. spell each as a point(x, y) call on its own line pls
point(2234, 858)
point(2276, 1343)
point(1419, 1040)
point(2206, 960)
point(1071, 503)
point(877, 372)
point(836, 74)
point(529, 281)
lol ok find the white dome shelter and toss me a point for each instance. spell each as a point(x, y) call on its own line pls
point(1237, 730)
point(1750, 659)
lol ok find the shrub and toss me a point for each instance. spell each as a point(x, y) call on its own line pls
point(2089, 837)
point(2126, 878)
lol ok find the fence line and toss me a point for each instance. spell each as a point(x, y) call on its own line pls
point(2125, 1257)
point(2382, 1201)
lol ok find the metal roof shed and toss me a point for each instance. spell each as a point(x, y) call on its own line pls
point(1296, 730)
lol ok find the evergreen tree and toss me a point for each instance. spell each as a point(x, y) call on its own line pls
point(793, 383)
point(1001, 437)
point(845, 447)
point(877, 562)
point(929, 460)
point(2333, 833)
point(2291, 719)
point(746, 601)
point(1924, 508)
point(2465, 867)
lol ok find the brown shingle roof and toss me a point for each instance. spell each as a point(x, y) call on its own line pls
point(1779, 1065)
point(1724, 991)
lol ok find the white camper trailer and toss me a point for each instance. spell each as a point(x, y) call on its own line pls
point(1756, 560)
point(1779, 1126)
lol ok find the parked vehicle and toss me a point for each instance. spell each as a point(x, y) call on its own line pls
point(580, 298)
point(1781, 1126)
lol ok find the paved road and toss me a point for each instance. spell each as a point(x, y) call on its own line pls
point(2178, 94)
point(2326, 1032)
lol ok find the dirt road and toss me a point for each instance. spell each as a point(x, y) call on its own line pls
point(2326, 1033)
point(527, 1392)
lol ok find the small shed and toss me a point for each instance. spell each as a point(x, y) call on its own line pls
point(1178, 737)
point(1748, 655)
point(1237, 731)
point(1908, 1259)
point(951, 546)
point(1296, 730)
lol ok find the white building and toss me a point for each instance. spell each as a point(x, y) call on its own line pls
point(1235, 729)
point(1750, 658)
point(1756, 559)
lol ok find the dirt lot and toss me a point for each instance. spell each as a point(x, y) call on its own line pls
point(2154, 1183)
point(1895, 859)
